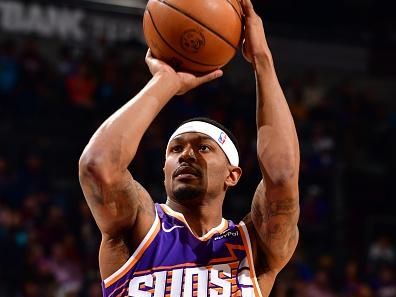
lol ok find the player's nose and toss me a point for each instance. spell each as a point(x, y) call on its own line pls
point(187, 154)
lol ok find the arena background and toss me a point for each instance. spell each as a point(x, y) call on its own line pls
point(67, 65)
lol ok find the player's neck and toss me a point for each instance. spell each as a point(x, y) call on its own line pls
point(202, 216)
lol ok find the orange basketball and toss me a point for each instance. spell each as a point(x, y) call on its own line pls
point(196, 36)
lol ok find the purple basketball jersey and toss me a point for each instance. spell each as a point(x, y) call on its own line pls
point(172, 262)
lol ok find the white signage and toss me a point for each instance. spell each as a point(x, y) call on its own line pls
point(66, 23)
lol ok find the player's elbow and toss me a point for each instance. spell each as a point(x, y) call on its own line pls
point(283, 178)
point(280, 172)
point(93, 167)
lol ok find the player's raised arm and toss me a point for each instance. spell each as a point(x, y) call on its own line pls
point(275, 208)
point(121, 207)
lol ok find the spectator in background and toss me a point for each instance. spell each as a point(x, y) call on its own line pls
point(293, 281)
point(34, 75)
point(381, 253)
point(352, 283)
point(66, 271)
point(88, 246)
point(320, 286)
point(31, 176)
point(385, 282)
point(110, 82)
point(81, 87)
point(315, 218)
point(65, 63)
point(312, 91)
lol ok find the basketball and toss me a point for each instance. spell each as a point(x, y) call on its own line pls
point(196, 36)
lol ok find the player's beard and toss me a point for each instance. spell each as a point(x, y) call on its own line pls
point(188, 192)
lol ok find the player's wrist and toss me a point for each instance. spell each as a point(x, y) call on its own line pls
point(262, 62)
point(168, 79)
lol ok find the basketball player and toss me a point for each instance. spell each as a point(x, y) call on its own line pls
point(185, 247)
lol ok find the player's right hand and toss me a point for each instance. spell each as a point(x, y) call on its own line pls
point(186, 81)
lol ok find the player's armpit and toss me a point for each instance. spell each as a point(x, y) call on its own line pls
point(275, 214)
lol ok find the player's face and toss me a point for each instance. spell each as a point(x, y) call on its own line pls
point(195, 167)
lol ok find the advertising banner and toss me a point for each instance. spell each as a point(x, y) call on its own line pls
point(70, 23)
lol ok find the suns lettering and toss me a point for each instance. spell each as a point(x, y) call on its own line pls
point(222, 280)
point(137, 282)
point(195, 280)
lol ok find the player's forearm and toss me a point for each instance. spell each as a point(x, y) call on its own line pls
point(277, 146)
point(114, 144)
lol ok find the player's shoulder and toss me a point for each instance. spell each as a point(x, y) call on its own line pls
point(248, 223)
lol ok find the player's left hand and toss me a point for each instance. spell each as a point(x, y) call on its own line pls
point(255, 46)
point(186, 81)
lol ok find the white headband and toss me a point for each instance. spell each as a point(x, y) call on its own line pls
point(213, 132)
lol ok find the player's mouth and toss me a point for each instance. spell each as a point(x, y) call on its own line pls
point(186, 172)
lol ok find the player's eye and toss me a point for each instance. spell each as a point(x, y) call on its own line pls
point(204, 148)
point(176, 148)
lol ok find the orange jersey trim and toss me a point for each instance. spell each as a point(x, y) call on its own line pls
point(246, 242)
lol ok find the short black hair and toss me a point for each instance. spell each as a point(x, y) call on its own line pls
point(218, 125)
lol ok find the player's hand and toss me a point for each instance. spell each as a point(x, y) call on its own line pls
point(185, 81)
point(255, 46)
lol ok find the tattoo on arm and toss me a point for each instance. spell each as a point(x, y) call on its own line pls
point(282, 207)
point(274, 208)
point(275, 216)
point(275, 219)
point(277, 231)
point(145, 204)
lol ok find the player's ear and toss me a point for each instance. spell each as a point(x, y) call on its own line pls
point(235, 173)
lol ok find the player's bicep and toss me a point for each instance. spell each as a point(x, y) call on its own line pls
point(117, 205)
point(275, 215)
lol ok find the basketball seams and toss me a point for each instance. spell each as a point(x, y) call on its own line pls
point(236, 10)
point(172, 48)
point(198, 22)
point(239, 13)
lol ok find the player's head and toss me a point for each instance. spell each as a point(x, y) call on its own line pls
point(202, 160)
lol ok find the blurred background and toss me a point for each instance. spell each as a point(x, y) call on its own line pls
point(65, 66)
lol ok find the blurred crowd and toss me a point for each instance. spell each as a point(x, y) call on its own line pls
point(52, 100)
